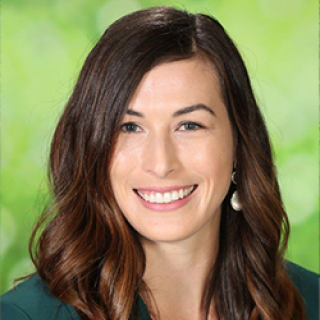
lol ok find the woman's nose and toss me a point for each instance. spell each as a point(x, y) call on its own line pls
point(160, 156)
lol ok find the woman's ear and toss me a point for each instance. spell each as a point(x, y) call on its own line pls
point(235, 163)
point(235, 149)
point(235, 154)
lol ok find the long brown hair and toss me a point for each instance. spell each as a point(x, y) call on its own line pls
point(87, 253)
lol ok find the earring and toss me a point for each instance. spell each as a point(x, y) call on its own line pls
point(235, 201)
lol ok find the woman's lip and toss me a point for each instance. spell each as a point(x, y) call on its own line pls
point(164, 189)
point(165, 207)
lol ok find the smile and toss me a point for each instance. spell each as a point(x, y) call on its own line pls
point(165, 197)
point(166, 200)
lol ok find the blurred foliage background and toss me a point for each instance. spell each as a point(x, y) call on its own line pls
point(43, 46)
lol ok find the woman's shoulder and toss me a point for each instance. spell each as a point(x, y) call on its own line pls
point(307, 283)
point(32, 300)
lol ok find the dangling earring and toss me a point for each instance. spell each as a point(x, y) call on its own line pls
point(235, 201)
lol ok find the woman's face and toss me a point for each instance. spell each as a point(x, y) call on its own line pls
point(173, 159)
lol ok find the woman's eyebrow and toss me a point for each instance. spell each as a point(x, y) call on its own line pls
point(199, 106)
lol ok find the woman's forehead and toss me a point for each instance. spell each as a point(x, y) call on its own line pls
point(183, 82)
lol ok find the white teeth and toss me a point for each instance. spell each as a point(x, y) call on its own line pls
point(159, 198)
point(166, 197)
point(175, 195)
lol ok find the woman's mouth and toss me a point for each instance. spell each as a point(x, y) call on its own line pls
point(165, 200)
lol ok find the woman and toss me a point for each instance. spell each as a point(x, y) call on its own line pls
point(166, 203)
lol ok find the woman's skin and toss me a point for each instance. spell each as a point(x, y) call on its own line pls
point(158, 148)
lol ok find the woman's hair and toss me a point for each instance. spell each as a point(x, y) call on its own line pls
point(88, 253)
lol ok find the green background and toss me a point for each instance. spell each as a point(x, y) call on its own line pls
point(44, 44)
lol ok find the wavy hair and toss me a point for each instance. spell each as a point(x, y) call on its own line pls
point(87, 253)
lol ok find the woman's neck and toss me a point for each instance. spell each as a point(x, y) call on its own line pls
point(176, 272)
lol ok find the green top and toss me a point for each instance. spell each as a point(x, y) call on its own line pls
point(32, 300)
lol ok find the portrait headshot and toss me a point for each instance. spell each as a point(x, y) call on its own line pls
point(160, 160)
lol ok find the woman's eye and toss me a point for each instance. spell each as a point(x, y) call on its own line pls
point(130, 127)
point(190, 126)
